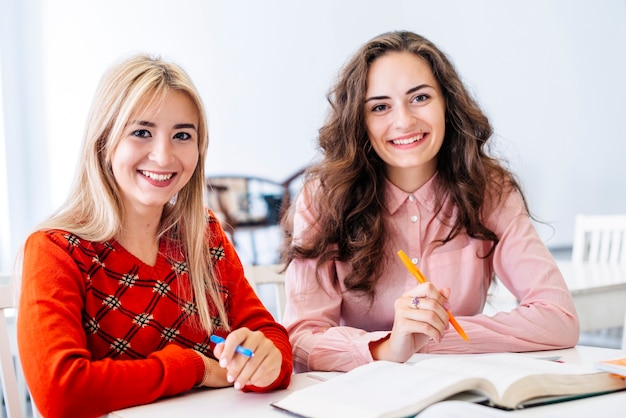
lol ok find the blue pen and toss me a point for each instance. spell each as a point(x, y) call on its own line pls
point(241, 350)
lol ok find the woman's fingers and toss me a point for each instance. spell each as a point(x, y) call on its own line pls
point(426, 315)
point(428, 290)
point(420, 316)
point(260, 369)
point(424, 310)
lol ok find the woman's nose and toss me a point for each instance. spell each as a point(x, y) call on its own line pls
point(404, 117)
point(162, 152)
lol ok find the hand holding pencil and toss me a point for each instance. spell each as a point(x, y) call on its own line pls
point(421, 315)
point(420, 278)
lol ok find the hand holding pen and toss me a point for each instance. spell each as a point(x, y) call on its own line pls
point(420, 315)
point(421, 279)
point(248, 357)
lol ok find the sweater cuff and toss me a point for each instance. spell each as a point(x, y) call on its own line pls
point(198, 362)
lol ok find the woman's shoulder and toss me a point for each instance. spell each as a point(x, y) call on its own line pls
point(211, 221)
point(504, 190)
point(51, 236)
point(213, 229)
point(60, 238)
point(505, 205)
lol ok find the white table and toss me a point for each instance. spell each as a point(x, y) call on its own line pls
point(598, 290)
point(229, 402)
point(599, 293)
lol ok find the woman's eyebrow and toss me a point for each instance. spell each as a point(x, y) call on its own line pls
point(376, 98)
point(142, 123)
point(409, 91)
point(416, 88)
point(152, 124)
point(185, 126)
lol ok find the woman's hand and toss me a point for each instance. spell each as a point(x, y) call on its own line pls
point(414, 326)
point(261, 370)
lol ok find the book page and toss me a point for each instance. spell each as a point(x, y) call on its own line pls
point(518, 378)
point(460, 409)
point(378, 389)
point(386, 389)
point(616, 366)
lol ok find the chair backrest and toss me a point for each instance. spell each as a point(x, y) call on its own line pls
point(599, 239)
point(251, 200)
point(245, 200)
point(7, 367)
point(269, 284)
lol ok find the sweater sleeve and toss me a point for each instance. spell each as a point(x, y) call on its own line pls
point(62, 376)
point(245, 309)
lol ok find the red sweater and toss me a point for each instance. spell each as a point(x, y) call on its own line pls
point(99, 330)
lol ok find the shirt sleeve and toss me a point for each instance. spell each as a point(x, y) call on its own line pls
point(313, 311)
point(313, 319)
point(545, 317)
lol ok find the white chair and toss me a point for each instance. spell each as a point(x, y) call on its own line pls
point(10, 390)
point(599, 239)
point(268, 277)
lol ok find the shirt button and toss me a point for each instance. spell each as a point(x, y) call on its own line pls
point(414, 260)
point(413, 218)
point(411, 198)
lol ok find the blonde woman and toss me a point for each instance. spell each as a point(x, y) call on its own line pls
point(124, 285)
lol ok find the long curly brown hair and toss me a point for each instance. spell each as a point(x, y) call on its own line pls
point(350, 225)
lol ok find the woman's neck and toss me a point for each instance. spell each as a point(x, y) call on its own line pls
point(139, 237)
point(410, 179)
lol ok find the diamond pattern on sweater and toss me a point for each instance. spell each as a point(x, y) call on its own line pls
point(132, 309)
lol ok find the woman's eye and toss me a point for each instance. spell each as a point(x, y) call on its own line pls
point(142, 133)
point(421, 98)
point(379, 108)
point(184, 136)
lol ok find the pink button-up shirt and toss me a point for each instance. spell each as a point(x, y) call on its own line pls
point(330, 329)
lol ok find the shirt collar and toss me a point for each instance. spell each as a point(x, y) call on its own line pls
point(395, 197)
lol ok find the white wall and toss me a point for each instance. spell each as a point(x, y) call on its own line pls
point(550, 73)
point(5, 230)
point(25, 164)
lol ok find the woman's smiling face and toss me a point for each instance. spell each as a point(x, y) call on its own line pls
point(158, 153)
point(405, 117)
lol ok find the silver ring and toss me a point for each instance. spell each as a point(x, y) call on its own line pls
point(415, 303)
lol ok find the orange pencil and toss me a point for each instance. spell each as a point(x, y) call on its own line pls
point(420, 278)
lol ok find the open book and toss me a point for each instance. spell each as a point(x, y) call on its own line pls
point(387, 389)
point(616, 366)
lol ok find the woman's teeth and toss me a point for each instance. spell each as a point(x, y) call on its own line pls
point(408, 140)
point(157, 177)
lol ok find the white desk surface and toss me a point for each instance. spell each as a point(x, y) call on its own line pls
point(581, 277)
point(599, 293)
point(233, 403)
point(598, 290)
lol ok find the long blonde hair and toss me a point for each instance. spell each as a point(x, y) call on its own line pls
point(94, 211)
